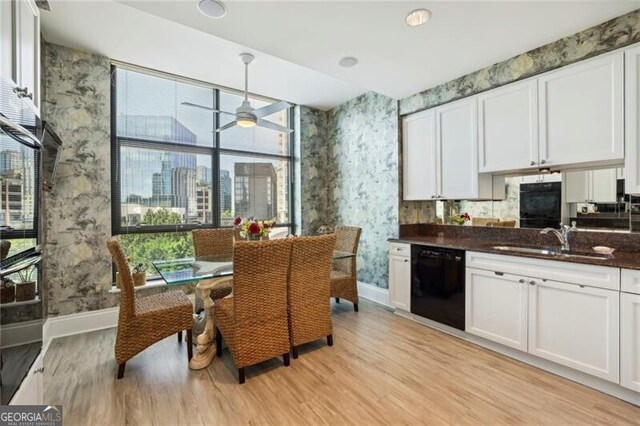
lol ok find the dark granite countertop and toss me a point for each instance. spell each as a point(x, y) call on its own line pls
point(619, 259)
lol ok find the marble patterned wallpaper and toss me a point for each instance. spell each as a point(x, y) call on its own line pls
point(363, 177)
point(593, 41)
point(77, 223)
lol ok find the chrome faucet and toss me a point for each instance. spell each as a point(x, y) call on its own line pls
point(564, 235)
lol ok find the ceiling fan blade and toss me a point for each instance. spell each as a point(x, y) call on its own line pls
point(271, 109)
point(273, 126)
point(226, 126)
point(189, 104)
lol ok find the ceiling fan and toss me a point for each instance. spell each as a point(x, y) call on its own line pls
point(246, 115)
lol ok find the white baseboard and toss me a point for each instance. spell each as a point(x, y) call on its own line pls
point(373, 293)
point(21, 333)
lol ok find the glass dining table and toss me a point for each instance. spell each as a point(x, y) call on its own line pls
point(207, 272)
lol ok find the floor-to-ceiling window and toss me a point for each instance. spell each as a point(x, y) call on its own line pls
point(172, 172)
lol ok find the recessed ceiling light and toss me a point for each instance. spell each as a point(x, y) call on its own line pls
point(417, 17)
point(212, 8)
point(348, 62)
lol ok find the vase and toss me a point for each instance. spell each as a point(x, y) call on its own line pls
point(252, 237)
point(25, 290)
point(7, 294)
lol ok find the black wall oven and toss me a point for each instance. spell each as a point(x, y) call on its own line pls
point(540, 205)
point(437, 284)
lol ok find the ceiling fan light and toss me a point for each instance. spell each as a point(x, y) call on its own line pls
point(245, 122)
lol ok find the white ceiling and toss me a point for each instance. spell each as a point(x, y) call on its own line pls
point(298, 43)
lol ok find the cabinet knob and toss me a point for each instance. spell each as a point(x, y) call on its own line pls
point(543, 161)
point(406, 260)
point(521, 280)
point(433, 196)
point(533, 163)
point(532, 282)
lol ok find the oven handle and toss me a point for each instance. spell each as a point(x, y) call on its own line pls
point(34, 142)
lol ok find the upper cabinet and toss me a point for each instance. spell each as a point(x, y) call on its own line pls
point(508, 127)
point(440, 155)
point(632, 120)
point(20, 44)
point(591, 186)
point(419, 156)
point(581, 113)
point(27, 58)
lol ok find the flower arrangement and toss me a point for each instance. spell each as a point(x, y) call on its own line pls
point(252, 229)
point(460, 219)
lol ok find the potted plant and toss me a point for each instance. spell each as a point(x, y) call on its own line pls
point(255, 230)
point(26, 287)
point(7, 291)
point(460, 219)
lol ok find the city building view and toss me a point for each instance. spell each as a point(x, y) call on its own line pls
point(17, 186)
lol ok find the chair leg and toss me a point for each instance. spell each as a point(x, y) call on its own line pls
point(241, 375)
point(218, 342)
point(329, 340)
point(355, 307)
point(189, 344)
point(180, 336)
point(337, 300)
point(286, 359)
point(121, 370)
point(294, 350)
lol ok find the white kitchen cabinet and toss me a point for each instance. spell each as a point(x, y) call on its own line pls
point(581, 113)
point(630, 341)
point(591, 186)
point(508, 127)
point(27, 50)
point(576, 326)
point(400, 276)
point(6, 41)
point(496, 307)
point(457, 153)
point(549, 177)
point(632, 120)
point(419, 156)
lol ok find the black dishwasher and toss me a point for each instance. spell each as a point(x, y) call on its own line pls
point(437, 284)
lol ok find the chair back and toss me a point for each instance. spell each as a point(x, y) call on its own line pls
point(310, 288)
point(483, 221)
point(347, 240)
point(260, 274)
point(213, 242)
point(127, 293)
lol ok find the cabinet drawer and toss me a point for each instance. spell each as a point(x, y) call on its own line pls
point(574, 273)
point(400, 249)
point(630, 281)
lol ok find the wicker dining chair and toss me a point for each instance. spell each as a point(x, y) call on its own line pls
point(143, 321)
point(213, 242)
point(253, 321)
point(344, 283)
point(309, 290)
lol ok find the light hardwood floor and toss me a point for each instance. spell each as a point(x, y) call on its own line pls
point(381, 369)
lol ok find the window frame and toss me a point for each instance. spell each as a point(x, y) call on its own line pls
point(215, 151)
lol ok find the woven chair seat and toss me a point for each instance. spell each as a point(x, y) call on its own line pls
point(337, 275)
point(163, 303)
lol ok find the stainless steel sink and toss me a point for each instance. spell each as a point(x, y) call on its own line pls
point(550, 252)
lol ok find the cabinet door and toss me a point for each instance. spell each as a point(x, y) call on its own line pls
point(400, 282)
point(575, 326)
point(27, 48)
point(603, 186)
point(419, 156)
point(508, 127)
point(581, 112)
point(630, 341)
point(496, 307)
point(457, 150)
point(576, 187)
point(6, 41)
point(632, 120)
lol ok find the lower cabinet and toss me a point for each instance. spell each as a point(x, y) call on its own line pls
point(496, 307)
point(576, 326)
point(400, 276)
point(630, 341)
